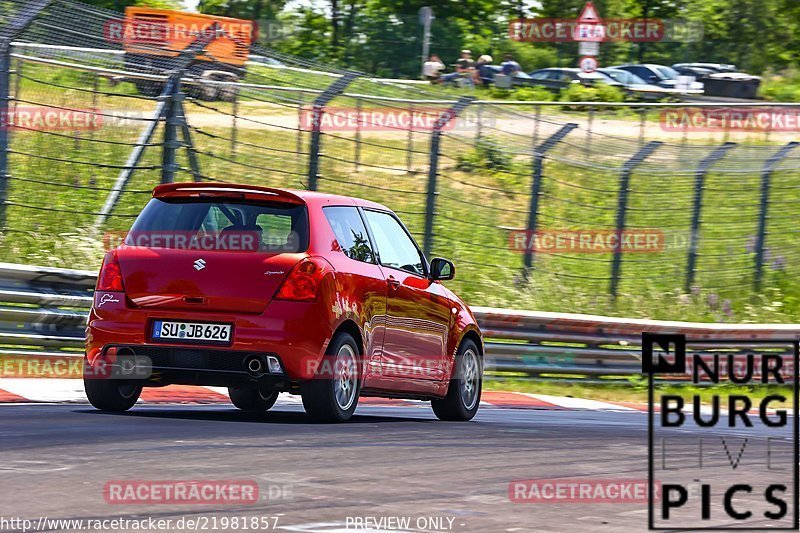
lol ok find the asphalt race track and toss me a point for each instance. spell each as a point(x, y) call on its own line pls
point(387, 462)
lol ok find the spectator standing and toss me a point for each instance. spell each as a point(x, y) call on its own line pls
point(465, 62)
point(483, 75)
point(464, 69)
point(432, 68)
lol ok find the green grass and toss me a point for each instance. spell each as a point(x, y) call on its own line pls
point(635, 390)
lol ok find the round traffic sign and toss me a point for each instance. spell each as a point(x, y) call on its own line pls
point(588, 64)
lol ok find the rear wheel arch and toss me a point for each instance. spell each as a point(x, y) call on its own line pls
point(349, 326)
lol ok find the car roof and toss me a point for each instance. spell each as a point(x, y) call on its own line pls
point(324, 198)
point(290, 195)
point(646, 65)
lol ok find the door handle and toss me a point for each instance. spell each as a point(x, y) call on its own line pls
point(393, 283)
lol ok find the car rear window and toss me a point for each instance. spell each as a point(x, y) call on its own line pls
point(221, 225)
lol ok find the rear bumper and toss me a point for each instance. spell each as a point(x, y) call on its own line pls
point(193, 365)
point(296, 333)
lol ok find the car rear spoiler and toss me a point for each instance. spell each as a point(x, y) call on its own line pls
point(232, 191)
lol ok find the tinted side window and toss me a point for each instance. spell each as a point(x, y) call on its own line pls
point(350, 233)
point(395, 247)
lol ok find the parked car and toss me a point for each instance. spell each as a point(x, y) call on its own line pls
point(699, 73)
point(660, 75)
point(713, 67)
point(558, 78)
point(634, 85)
point(267, 290)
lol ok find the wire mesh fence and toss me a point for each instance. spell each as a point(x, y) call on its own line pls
point(560, 204)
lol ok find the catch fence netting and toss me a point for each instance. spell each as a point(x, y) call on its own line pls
point(506, 175)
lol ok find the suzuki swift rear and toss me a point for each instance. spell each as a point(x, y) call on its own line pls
point(265, 291)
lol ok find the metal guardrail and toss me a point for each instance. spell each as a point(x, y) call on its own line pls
point(43, 312)
point(561, 345)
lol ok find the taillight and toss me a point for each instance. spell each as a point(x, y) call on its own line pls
point(110, 277)
point(303, 282)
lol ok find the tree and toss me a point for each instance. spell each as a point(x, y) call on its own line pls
point(120, 5)
point(243, 9)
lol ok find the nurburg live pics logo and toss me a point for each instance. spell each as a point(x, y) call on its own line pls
point(733, 464)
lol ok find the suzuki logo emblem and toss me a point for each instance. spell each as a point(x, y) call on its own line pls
point(200, 264)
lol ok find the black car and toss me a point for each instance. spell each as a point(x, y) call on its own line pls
point(660, 75)
point(713, 67)
point(699, 73)
point(559, 78)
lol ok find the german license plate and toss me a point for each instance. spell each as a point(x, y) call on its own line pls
point(204, 332)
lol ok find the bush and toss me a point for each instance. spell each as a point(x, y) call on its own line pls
point(781, 87)
point(600, 92)
point(528, 94)
point(487, 154)
point(534, 94)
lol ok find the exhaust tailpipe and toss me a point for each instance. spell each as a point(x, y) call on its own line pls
point(126, 360)
point(255, 366)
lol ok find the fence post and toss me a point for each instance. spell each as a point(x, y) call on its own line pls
point(171, 123)
point(761, 236)
point(699, 186)
point(536, 186)
point(5, 122)
point(194, 165)
point(7, 34)
point(433, 169)
point(169, 108)
point(334, 89)
point(622, 206)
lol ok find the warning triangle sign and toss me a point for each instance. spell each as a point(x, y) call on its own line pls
point(589, 15)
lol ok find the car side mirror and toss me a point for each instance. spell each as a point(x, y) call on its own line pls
point(442, 269)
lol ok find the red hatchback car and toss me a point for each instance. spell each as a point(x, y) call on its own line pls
point(266, 290)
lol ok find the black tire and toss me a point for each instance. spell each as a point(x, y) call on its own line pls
point(324, 396)
point(459, 404)
point(252, 399)
point(116, 395)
